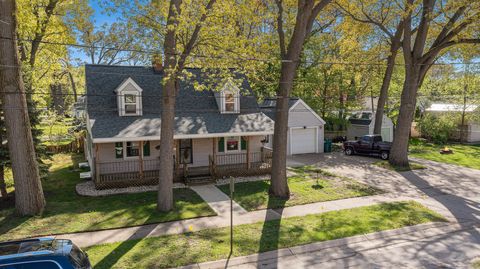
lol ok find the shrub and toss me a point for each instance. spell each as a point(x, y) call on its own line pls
point(438, 129)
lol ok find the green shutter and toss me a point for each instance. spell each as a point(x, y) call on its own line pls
point(221, 144)
point(146, 148)
point(243, 143)
point(119, 150)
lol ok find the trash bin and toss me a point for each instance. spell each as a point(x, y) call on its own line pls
point(327, 145)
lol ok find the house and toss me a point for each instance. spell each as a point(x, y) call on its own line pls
point(78, 108)
point(217, 133)
point(362, 123)
point(472, 119)
point(305, 127)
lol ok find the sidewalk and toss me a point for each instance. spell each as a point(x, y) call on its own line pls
point(430, 245)
point(217, 200)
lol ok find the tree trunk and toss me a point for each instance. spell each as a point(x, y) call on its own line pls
point(279, 185)
point(29, 199)
point(3, 185)
point(382, 99)
point(165, 191)
point(165, 182)
point(74, 86)
point(399, 151)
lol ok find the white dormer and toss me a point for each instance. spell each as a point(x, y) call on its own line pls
point(228, 99)
point(129, 98)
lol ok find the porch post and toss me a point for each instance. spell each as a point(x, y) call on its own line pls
point(214, 155)
point(247, 139)
point(140, 158)
point(97, 165)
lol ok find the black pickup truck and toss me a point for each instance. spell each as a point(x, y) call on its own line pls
point(368, 144)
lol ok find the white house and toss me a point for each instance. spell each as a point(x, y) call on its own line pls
point(305, 127)
point(363, 123)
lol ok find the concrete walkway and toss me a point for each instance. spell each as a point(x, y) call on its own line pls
point(217, 200)
point(241, 216)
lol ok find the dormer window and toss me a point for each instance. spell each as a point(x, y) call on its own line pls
point(129, 98)
point(130, 104)
point(230, 102)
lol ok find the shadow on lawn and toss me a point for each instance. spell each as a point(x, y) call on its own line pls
point(270, 237)
point(115, 255)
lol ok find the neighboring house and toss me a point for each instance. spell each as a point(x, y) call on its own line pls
point(305, 127)
point(78, 109)
point(217, 133)
point(362, 123)
point(472, 124)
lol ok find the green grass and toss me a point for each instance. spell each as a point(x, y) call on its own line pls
point(463, 155)
point(476, 264)
point(213, 244)
point(305, 188)
point(68, 212)
point(387, 165)
point(9, 179)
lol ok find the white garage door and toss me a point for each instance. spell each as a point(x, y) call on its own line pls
point(303, 140)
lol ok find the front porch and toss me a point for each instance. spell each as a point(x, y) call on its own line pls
point(136, 172)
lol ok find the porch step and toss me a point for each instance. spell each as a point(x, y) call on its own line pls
point(200, 180)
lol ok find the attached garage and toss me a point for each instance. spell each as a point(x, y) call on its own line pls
point(305, 127)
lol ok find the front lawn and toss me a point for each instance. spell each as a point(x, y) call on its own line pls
point(214, 244)
point(67, 212)
point(309, 185)
point(463, 155)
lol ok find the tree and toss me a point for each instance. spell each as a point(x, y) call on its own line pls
point(175, 61)
point(442, 25)
point(29, 199)
point(387, 18)
point(307, 12)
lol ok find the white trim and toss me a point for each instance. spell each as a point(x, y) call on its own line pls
point(121, 98)
point(300, 101)
point(189, 136)
point(125, 83)
point(229, 87)
point(317, 130)
point(124, 150)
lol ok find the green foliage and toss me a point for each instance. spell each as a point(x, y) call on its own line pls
point(214, 244)
point(437, 128)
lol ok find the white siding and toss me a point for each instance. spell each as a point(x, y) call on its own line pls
point(474, 133)
point(300, 116)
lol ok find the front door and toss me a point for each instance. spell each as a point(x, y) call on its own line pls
point(185, 151)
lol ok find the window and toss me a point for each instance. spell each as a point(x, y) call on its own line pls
point(229, 102)
point(119, 150)
point(185, 151)
point(130, 103)
point(133, 149)
point(232, 143)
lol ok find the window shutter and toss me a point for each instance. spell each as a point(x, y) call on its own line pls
point(119, 150)
point(243, 143)
point(146, 148)
point(221, 144)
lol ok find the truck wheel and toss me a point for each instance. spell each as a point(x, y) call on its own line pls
point(348, 151)
point(384, 155)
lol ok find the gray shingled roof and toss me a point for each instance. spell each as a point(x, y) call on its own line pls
point(196, 111)
point(269, 104)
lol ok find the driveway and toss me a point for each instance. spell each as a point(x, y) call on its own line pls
point(453, 190)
